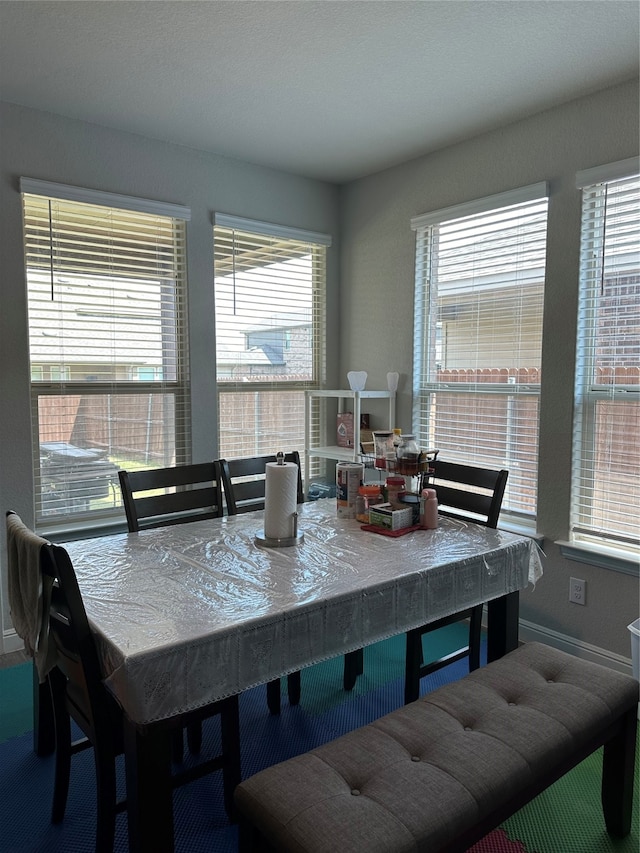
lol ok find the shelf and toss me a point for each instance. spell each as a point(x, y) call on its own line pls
point(344, 454)
point(350, 395)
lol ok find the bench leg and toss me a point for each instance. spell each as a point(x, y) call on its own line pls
point(617, 777)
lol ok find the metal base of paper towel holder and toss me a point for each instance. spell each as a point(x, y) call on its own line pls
point(261, 539)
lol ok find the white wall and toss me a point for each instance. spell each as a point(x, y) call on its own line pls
point(377, 275)
point(48, 147)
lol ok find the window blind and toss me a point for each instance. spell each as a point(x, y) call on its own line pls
point(606, 440)
point(270, 284)
point(478, 335)
point(107, 339)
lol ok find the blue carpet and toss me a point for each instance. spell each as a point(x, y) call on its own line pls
point(325, 712)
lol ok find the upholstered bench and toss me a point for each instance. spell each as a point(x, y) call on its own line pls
point(440, 773)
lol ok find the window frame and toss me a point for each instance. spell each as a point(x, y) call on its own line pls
point(424, 388)
point(176, 389)
point(605, 548)
point(319, 242)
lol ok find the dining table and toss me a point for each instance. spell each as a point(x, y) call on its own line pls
point(188, 614)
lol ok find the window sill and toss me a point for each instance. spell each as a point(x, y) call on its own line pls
point(521, 528)
point(81, 530)
point(605, 558)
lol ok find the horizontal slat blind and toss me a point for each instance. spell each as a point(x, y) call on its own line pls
point(107, 338)
point(270, 336)
point(478, 339)
point(606, 447)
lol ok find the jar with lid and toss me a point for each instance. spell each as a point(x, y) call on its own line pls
point(395, 489)
point(408, 456)
point(368, 495)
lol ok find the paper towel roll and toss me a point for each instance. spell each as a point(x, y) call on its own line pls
point(280, 500)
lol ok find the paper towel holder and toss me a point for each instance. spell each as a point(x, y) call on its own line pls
point(285, 542)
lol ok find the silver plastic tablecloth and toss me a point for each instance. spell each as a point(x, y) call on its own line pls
point(191, 613)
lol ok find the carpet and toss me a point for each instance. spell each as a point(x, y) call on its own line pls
point(567, 818)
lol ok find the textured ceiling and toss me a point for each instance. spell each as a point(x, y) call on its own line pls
point(333, 89)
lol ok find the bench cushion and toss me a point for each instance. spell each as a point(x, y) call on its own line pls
point(420, 776)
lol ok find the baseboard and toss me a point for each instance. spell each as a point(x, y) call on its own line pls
point(530, 632)
point(11, 642)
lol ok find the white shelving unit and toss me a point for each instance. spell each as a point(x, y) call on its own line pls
point(344, 454)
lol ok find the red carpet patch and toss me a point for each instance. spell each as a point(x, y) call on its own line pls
point(497, 842)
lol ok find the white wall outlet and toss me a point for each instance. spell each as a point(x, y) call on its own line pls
point(577, 591)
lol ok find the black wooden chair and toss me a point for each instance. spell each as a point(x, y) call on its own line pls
point(161, 496)
point(79, 694)
point(243, 481)
point(473, 494)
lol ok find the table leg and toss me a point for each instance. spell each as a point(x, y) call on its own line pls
point(502, 634)
point(149, 789)
point(353, 667)
point(273, 696)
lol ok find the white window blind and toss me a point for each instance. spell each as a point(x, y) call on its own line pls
point(107, 340)
point(270, 286)
point(479, 293)
point(606, 440)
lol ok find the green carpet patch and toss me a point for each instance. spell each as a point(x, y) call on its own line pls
point(16, 700)
point(568, 817)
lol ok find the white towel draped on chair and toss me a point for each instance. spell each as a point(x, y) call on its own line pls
point(29, 593)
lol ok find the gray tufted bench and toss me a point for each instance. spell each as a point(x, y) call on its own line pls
point(440, 773)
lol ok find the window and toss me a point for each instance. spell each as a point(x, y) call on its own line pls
point(107, 341)
point(606, 437)
point(479, 293)
point(270, 333)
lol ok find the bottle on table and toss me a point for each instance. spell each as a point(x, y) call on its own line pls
point(429, 509)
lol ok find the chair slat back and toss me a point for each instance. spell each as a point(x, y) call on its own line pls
point(244, 481)
point(162, 496)
point(75, 674)
point(76, 654)
point(467, 489)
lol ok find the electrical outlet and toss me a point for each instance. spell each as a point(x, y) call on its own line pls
point(577, 591)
